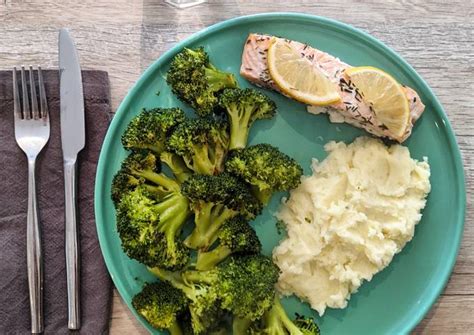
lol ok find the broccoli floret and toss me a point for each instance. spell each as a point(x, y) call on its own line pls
point(306, 325)
point(195, 81)
point(276, 322)
point(148, 130)
point(215, 199)
point(204, 307)
point(161, 305)
point(266, 168)
point(247, 285)
point(176, 165)
point(242, 285)
point(150, 212)
point(150, 229)
point(142, 164)
point(122, 183)
point(142, 168)
point(235, 237)
point(244, 107)
point(202, 143)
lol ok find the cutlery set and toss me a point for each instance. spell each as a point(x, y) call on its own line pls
point(32, 131)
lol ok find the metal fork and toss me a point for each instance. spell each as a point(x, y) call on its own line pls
point(31, 134)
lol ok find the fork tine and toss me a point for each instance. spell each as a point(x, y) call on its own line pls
point(42, 93)
point(26, 102)
point(16, 96)
point(34, 101)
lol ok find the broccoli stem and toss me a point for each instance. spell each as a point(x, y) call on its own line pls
point(158, 178)
point(176, 165)
point(175, 329)
point(171, 209)
point(262, 195)
point(239, 128)
point(202, 277)
point(157, 148)
point(220, 213)
point(175, 279)
point(166, 275)
point(240, 326)
point(209, 218)
point(202, 220)
point(201, 161)
point(278, 322)
point(160, 193)
point(208, 260)
point(218, 80)
point(173, 214)
point(217, 156)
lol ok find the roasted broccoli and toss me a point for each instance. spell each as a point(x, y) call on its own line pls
point(244, 107)
point(247, 285)
point(215, 199)
point(242, 285)
point(276, 322)
point(150, 212)
point(204, 306)
point(202, 143)
point(161, 305)
point(142, 168)
point(235, 237)
point(123, 182)
point(150, 229)
point(266, 168)
point(194, 80)
point(149, 129)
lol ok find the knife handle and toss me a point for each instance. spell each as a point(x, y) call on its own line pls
point(72, 245)
point(33, 254)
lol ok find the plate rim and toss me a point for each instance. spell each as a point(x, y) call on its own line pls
point(99, 189)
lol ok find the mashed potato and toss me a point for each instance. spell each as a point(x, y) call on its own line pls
point(347, 221)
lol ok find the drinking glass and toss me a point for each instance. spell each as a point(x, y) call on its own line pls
point(184, 3)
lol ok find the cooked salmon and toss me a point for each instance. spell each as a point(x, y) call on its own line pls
point(351, 109)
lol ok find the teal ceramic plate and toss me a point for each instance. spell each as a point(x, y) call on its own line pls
point(398, 297)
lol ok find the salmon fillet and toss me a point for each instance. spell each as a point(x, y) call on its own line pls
point(351, 109)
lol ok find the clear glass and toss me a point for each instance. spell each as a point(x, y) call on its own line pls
point(184, 3)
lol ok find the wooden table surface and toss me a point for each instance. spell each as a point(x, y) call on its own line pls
point(124, 37)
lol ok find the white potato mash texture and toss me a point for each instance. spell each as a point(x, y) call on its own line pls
point(347, 221)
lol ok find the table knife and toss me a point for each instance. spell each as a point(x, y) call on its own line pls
point(73, 140)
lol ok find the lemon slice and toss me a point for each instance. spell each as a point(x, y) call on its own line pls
point(297, 77)
point(385, 95)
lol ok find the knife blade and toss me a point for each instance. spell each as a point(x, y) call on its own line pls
point(73, 141)
point(72, 98)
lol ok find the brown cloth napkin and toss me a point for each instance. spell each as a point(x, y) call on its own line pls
point(95, 281)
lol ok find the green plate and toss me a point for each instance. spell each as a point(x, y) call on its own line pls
point(398, 297)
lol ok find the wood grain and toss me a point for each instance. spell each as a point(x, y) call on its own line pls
point(125, 36)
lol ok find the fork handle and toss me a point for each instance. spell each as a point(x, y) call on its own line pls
point(33, 254)
point(72, 246)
